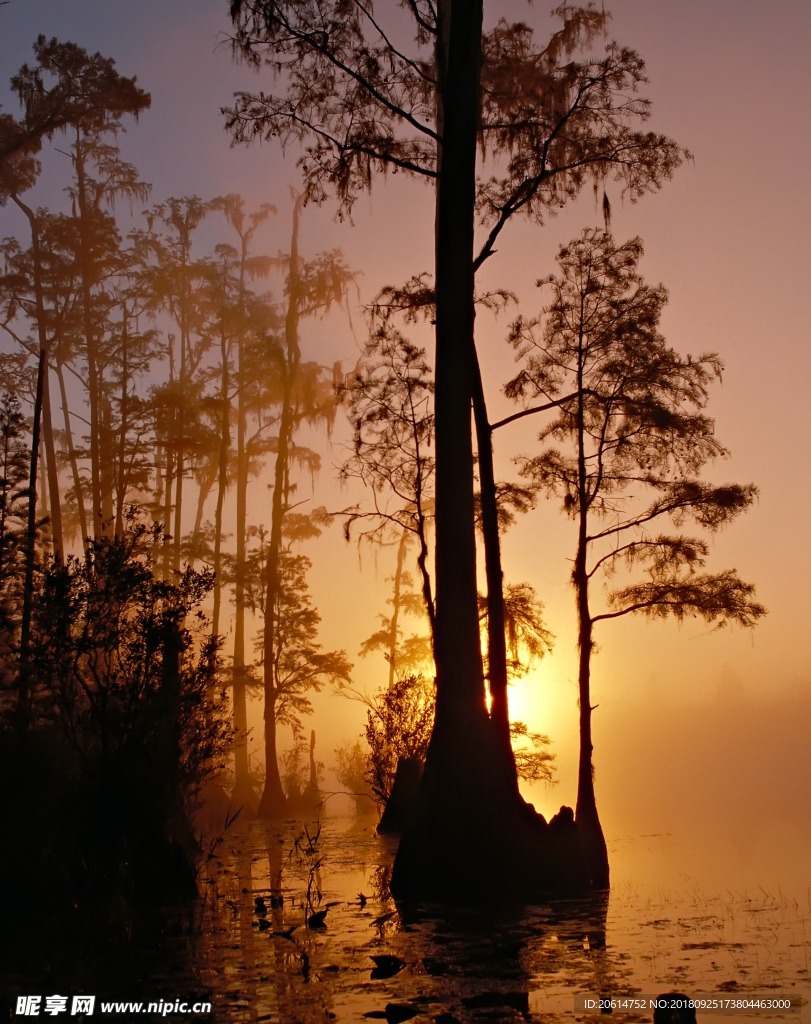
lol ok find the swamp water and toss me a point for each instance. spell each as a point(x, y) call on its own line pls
point(678, 917)
point(728, 923)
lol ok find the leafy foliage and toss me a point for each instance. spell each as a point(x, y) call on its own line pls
point(398, 725)
point(358, 100)
point(388, 399)
point(65, 87)
point(399, 721)
point(299, 666)
point(350, 768)
point(626, 419)
point(533, 762)
point(527, 637)
point(128, 663)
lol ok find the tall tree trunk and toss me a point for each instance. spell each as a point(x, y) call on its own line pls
point(78, 487)
point(168, 492)
point(586, 816)
point(52, 472)
point(472, 833)
point(170, 448)
point(243, 793)
point(222, 478)
point(395, 607)
point(107, 460)
point(454, 779)
point(205, 482)
point(273, 800)
point(93, 376)
point(177, 528)
point(43, 484)
point(24, 690)
point(496, 639)
point(460, 690)
point(121, 460)
point(47, 422)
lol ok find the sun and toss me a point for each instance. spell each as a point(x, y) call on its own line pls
point(545, 698)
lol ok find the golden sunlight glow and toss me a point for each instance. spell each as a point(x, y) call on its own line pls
point(544, 699)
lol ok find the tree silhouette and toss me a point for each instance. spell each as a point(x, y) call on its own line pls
point(246, 404)
point(399, 721)
point(32, 279)
point(66, 89)
point(405, 655)
point(127, 672)
point(628, 413)
point(67, 86)
point(42, 287)
point(298, 664)
point(358, 104)
point(175, 276)
point(312, 287)
point(257, 394)
point(100, 179)
point(388, 401)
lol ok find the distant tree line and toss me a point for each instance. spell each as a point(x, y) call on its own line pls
point(137, 360)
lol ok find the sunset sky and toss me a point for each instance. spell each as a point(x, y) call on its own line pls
point(721, 719)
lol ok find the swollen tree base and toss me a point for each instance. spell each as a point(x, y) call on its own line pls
point(514, 855)
point(272, 805)
point(245, 799)
point(476, 840)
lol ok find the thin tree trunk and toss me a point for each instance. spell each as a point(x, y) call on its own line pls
point(177, 529)
point(242, 784)
point(43, 483)
point(121, 462)
point(52, 473)
point(24, 692)
point(93, 379)
point(107, 460)
point(78, 487)
point(204, 485)
point(168, 480)
point(243, 791)
point(395, 607)
point(47, 423)
point(273, 800)
point(586, 816)
point(496, 639)
point(168, 490)
point(222, 480)
point(422, 539)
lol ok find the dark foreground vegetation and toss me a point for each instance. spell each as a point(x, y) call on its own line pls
point(121, 721)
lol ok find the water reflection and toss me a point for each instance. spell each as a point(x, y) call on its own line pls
point(296, 925)
point(371, 957)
